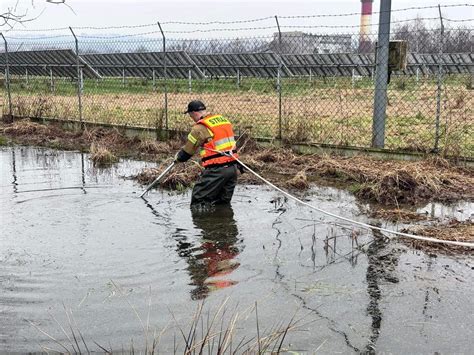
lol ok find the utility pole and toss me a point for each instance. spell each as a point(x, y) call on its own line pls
point(381, 75)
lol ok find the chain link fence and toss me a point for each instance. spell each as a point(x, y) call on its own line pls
point(303, 83)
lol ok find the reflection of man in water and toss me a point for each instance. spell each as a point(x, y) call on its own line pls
point(213, 260)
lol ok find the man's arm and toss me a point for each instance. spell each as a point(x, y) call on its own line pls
point(197, 137)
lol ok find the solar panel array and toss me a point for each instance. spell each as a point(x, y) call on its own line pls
point(144, 65)
point(348, 64)
point(342, 64)
point(58, 62)
point(264, 65)
point(180, 64)
point(453, 63)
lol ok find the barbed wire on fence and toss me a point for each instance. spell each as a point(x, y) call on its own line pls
point(208, 23)
point(305, 86)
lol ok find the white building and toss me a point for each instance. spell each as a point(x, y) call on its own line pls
point(303, 43)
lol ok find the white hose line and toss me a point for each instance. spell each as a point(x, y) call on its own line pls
point(365, 225)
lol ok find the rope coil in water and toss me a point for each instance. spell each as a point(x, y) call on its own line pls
point(361, 224)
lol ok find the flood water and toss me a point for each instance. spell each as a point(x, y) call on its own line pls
point(77, 241)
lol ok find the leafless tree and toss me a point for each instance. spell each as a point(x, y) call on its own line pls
point(422, 38)
point(15, 15)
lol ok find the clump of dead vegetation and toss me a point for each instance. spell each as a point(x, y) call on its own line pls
point(179, 178)
point(154, 147)
point(101, 156)
point(54, 136)
point(111, 139)
point(299, 181)
point(398, 215)
point(39, 106)
point(411, 183)
point(28, 128)
point(391, 183)
point(454, 230)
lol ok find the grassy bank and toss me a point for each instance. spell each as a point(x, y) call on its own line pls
point(323, 110)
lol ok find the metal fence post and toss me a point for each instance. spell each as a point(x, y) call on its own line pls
point(79, 79)
point(165, 74)
point(280, 135)
point(440, 83)
point(7, 77)
point(51, 79)
point(190, 81)
point(381, 75)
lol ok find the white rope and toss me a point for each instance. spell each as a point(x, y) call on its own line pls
point(365, 225)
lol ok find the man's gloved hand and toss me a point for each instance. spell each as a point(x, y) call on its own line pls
point(182, 156)
point(241, 168)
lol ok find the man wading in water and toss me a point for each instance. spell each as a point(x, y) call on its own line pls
point(213, 136)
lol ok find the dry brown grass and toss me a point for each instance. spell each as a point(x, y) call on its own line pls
point(398, 215)
point(391, 183)
point(299, 181)
point(52, 135)
point(154, 147)
point(453, 231)
point(332, 115)
point(101, 156)
point(22, 128)
point(383, 181)
point(396, 182)
point(180, 177)
point(216, 330)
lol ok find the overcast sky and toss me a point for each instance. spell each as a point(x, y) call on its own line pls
point(80, 13)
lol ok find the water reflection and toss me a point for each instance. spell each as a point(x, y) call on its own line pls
point(14, 173)
point(83, 174)
point(381, 268)
point(211, 261)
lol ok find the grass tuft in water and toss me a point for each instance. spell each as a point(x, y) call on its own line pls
point(299, 181)
point(210, 330)
point(101, 156)
point(181, 177)
point(3, 140)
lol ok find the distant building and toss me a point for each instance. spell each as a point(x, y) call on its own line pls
point(365, 42)
point(304, 43)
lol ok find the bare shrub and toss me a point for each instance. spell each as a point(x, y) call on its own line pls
point(36, 107)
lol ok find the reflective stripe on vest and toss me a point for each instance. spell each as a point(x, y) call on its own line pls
point(222, 141)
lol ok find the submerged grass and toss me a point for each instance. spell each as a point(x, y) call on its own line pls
point(208, 331)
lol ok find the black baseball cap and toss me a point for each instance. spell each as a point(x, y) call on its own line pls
point(195, 106)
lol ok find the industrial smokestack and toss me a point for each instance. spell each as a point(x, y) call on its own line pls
point(365, 25)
